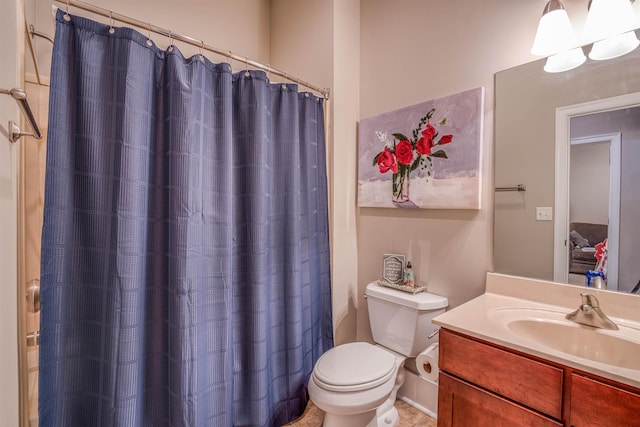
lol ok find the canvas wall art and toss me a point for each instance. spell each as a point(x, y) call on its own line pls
point(427, 155)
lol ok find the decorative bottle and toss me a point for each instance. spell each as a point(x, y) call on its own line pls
point(408, 275)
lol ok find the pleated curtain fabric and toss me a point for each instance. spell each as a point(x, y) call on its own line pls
point(185, 249)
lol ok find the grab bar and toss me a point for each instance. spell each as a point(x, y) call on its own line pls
point(14, 130)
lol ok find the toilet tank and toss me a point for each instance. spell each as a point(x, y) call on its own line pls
point(401, 321)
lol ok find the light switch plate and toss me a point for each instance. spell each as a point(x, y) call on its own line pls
point(544, 213)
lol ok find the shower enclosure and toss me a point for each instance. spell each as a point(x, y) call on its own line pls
point(38, 28)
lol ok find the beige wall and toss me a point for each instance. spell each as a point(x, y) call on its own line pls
point(589, 183)
point(320, 41)
point(345, 116)
point(241, 26)
point(10, 72)
point(413, 51)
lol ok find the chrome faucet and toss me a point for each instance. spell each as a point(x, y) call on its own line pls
point(589, 314)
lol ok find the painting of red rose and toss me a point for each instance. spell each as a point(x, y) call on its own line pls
point(427, 155)
point(387, 161)
point(404, 152)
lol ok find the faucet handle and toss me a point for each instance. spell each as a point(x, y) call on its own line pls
point(590, 300)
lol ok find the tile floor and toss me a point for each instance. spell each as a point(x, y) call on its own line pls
point(409, 417)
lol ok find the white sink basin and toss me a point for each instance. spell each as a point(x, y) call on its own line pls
point(550, 329)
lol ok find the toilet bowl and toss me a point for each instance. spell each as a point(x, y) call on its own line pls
point(355, 384)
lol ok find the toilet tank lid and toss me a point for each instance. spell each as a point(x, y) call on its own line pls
point(419, 301)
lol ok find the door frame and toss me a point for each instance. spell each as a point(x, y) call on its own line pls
point(613, 232)
point(562, 147)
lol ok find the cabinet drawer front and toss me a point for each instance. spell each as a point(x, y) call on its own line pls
point(480, 408)
point(529, 382)
point(597, 404)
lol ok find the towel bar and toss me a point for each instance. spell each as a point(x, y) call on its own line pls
point(520, 187)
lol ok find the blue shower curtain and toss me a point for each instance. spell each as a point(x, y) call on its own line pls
point(185, 248)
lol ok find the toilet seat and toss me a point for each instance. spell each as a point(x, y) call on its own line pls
point(353, 367)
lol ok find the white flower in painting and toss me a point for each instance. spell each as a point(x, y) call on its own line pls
point(382, 136)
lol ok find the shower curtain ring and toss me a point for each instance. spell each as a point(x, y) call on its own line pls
point(149, 42)
point(111, 29)
point(170, 48)
point(67, 17)
point(246, 67)
point(202, 50)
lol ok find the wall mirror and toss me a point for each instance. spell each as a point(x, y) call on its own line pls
point(573, 140)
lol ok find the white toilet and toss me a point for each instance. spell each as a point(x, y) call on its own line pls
point(356, 383)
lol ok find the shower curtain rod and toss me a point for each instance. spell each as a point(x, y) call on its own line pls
point(325, 92)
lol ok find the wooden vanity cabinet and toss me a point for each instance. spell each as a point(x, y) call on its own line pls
point(482, 384)
point(597, 404)
point(461, 404)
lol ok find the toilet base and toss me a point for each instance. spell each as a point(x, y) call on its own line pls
point(389, 418)
point(387, 414)
point(367, 419)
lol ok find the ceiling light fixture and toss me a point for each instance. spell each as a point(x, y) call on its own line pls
point(614, 46)
point(555, 33)
point(610, 25)
point(565, 61)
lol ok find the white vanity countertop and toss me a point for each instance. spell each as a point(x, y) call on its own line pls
point(506, 292)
